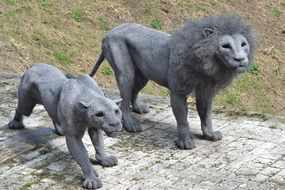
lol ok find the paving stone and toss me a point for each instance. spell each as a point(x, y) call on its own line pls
point(279, 164)
point(279, 177)
point(250, 155)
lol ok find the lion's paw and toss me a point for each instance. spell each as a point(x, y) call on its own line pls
point(16, 125)
point(108, 161)
point(185, 144)
point(215, 136)
point(141, 108)
point(92, 182)
point(131, 125)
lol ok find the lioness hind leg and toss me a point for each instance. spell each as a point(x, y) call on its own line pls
point(120, 60)
point(24, 108)
point(140, 82)
point(17, 122)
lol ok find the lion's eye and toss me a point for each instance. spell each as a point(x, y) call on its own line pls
point(243, 44)
point(227, 46)
point(117, 111)
point(99, 114)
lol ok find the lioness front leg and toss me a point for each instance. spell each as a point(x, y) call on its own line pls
point(96, 136)
point(79, 154)
point(204, 96)
point(179, 108)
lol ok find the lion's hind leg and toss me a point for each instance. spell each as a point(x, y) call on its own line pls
point(140, 82)
point(58, 129)
point(120, 60)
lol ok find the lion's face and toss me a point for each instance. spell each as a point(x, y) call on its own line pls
point(234, 51)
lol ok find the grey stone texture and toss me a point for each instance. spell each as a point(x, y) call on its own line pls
point(250, 156)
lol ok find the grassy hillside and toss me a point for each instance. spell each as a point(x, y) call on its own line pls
point(67, 34)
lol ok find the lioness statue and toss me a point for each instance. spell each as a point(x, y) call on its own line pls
point(73, 105)
point(202, 57)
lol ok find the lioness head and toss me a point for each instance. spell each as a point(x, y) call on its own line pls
point(104, 114)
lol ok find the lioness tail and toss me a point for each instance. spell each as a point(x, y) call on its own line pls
point(97, 65)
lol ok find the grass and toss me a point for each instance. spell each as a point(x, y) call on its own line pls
point(156, 24)
point(60, 56)
point(273, 126)
point(40, 38)
point(103, 24)
point(76, 15)
point(107, 70)
point(64, 32)
point(44, 4)
point(275, 13)
point(10, 2)
point(254, 69)
point(147, 10)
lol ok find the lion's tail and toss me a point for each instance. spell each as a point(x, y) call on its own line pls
point(97, 65)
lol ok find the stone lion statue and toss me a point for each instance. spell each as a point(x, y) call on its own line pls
point(200, 58)
point(74, 105)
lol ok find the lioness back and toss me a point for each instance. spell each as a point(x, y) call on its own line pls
point(43, 82)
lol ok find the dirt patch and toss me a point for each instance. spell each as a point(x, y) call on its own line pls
point(68, 35)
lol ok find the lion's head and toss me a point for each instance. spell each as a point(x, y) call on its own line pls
point(218, 47)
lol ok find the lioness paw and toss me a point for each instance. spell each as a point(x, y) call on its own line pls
point(92, 182)
point(108, 161)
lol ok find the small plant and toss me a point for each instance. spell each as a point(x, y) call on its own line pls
point(103, 24)
point(76, 15)
point(39, 37)
point(275, 12)
point(147, 10)
point(44, 4)
point(156, 24)
point(60, 56)
point(166, 93)
point(254, 69)
point(231, 99)
point(11, 2)
point(273, 126)
point(107, 70)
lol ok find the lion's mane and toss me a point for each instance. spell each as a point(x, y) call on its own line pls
point(194, 55)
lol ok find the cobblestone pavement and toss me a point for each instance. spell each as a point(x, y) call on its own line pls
point(251, 154)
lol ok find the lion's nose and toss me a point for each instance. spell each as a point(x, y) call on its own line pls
point(239, 59)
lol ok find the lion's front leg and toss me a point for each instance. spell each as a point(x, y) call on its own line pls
point(204, 96)
point(179, 108)
point(96, 136)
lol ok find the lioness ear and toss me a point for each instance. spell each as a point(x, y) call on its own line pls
point(208, 32)
point(118, 102)
point(83, 105)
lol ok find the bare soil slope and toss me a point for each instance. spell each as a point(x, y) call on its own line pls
point(67, 34)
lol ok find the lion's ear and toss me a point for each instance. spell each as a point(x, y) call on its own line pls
point(208, 32)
